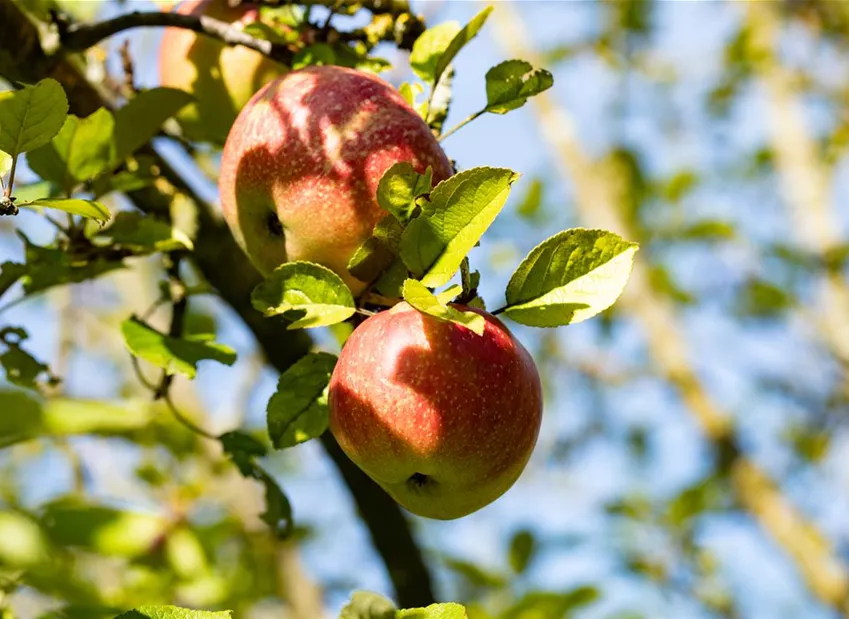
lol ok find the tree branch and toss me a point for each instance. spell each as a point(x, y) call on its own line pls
point(79, 37)
point(226, 268)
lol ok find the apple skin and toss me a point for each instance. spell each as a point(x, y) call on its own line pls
point(300, 168)
point(442, 419)
point(222, 78)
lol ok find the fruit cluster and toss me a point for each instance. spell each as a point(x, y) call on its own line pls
point(339, 192)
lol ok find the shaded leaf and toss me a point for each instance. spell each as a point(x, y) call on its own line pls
point(138, 121)
point(378, 251)
point(144, 233)
point(531, 203)
point(522, 549)
point(549, 604)
point(305, 287)
point(459, 211)
point(569, 277)
point(511, 83)
point(416, 294)
point(297, 411)
point(242, 448)
point(10, 273)
point(170, 353)
point(399, 188)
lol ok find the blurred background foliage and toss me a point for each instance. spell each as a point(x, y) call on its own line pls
point(694, 459)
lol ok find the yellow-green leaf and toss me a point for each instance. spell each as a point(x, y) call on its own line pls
point(314, 294)
point(417, 295)
point(30, 117)
point(569, 277)
point(74, 206)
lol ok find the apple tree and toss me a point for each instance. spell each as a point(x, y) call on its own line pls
point(282, 171)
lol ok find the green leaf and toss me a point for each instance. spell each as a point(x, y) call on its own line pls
point(318, 54)
point(310, 289)
point(429, 47)
point(435, 109)
point(5, 163)
point(30, 117)
point(530, 206)
point(173, 612)
point(522, 549)
point(417, 295)
point(10, 273)
point(459, 211)
point(91, 147)
point(459, 41)
point(22, 542)
point(411, 91)
point(390, 283)
point(475, 575)
point(170, 353)
point(399, 188)
point(449, 293)
point(297, 411)
point(242, 449)
point(50, 161)
point(448, 610)
point(368, 605)
point(21, 368)
point(278, 510)
point(511, 83)
point(549, 604)
point(569, 277)
point(47, 267)
point(25, 418)
point(101, 529)
point(145, 234)
point(138, 121)
point(74, 206)
point(378, 251)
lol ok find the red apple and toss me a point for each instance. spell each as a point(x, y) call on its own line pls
point(301, 166)
point(221, 77)
point(442, 419)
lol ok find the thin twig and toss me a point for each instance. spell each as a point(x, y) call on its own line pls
point(462, 124)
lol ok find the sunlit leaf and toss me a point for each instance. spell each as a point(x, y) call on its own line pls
point(460, 40)
point(448, 610)
point(417, 295)
point(311, 289)
point(172, 612)
point(459, 211)
point(429, 47)
point(74, 206)
point(368, 605)
point(30, 117)
point(569, 277)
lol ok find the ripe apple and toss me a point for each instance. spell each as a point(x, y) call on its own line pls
point(301, 166)
point(222, 78)
point(442, 419)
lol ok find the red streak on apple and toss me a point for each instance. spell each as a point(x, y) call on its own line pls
point(443, 419)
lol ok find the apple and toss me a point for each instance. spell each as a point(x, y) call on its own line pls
point(444, 420)
point(300, 168)
point(222, 78)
